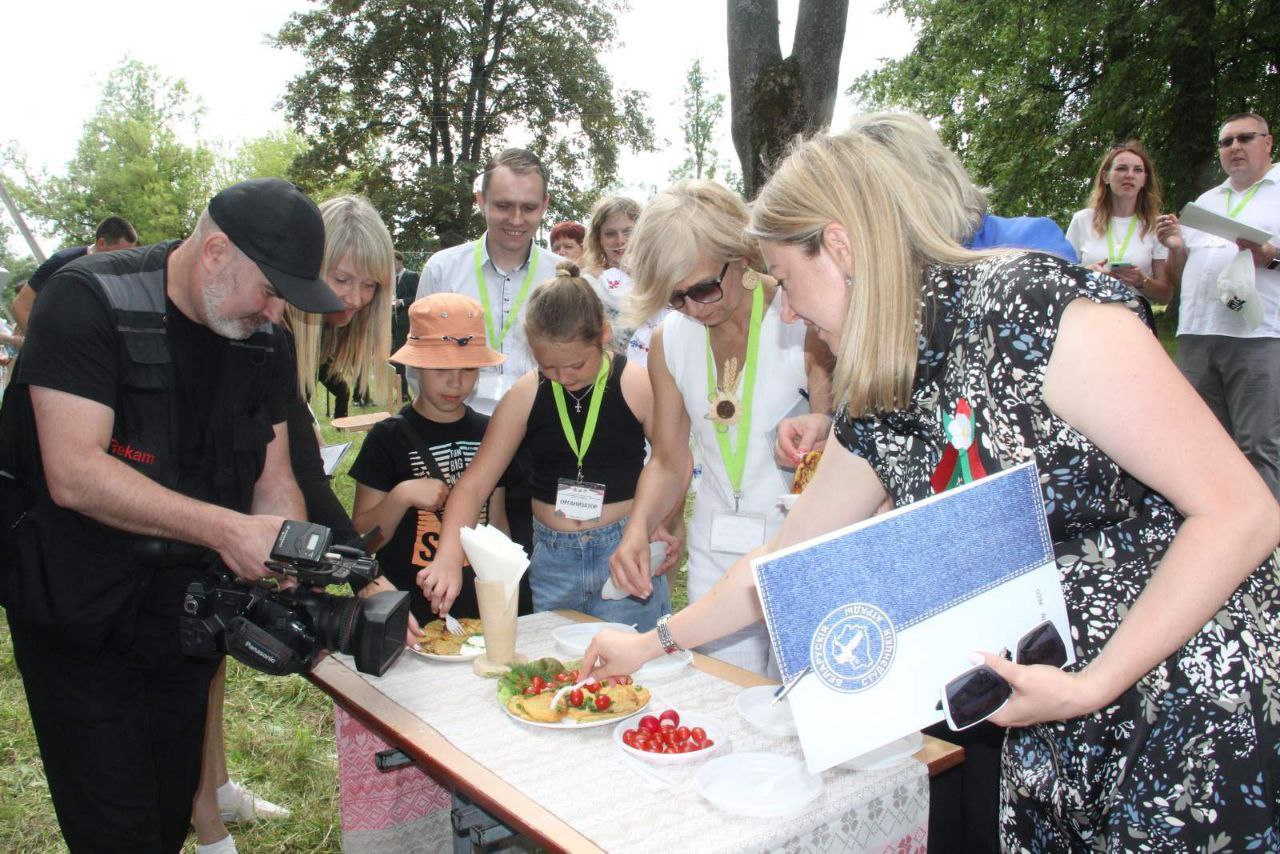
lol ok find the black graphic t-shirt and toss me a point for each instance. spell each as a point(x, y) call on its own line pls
point(388, 457)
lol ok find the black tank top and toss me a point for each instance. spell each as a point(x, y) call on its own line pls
point(615, 456)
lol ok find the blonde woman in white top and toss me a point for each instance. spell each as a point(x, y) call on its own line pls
point(1116, 234)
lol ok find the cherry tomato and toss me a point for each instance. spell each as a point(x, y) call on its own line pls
point(562, 677)
point(669, 718)
point(682, 733)
point(649, 723)
point(708, 743)
point(603, 701)
point(593, 686)
point(652, 747)
point(698, 734)
point(575, 698)
point(537, 683)
point(529, 692)
point(573, 675)
point(629, 738)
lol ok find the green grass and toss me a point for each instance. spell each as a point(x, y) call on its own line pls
point(279, 736)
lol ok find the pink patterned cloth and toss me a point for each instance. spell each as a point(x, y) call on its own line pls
point(400, 810)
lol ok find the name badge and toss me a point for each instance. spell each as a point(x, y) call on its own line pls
point(736, 533)
point(581, 502)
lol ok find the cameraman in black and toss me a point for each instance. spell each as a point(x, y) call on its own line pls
point(149, 400)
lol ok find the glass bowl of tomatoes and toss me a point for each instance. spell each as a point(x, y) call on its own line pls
point(667, 739)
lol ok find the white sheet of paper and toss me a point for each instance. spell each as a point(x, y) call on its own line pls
point(835, 727)
point(1202, 219)
point(736, 533)
point(491, 386)
point(332, 455)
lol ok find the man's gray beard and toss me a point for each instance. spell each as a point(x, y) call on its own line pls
point(214, 296)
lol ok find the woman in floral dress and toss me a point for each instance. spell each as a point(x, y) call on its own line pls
point(1164, 735)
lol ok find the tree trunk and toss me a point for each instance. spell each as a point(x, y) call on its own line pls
point(773, 99)
point(1195, 115)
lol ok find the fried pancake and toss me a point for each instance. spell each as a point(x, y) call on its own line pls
point(534, 708)
point(805, 471)
point(626, 700)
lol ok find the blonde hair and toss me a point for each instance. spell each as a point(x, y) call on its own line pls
point(681, 227)
point(1149, 198)
point(593, 257)
point(957, 202)
point(357, 353)
point(894, 232)
point(565, 309)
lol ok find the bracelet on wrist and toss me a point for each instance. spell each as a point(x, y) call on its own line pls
point(668, 643)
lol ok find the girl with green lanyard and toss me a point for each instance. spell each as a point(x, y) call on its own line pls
point(583, 417)
point(1116, 234)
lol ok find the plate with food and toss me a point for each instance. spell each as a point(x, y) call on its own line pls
point(526, 693)
point(438, 644)
point(668, 739)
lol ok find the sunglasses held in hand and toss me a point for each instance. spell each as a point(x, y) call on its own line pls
point(980, 692)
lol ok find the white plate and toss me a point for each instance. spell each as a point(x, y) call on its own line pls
point(571, 724)
point(888, 755)
point(788, 499)
point(472, 647)
point(759, 785)
point(574, 640)
point(754, 705)
point(664, 667)
point(715, 732)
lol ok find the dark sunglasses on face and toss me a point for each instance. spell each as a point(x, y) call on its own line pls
point(980, 692)
point(1242, 138)
point(702, 292)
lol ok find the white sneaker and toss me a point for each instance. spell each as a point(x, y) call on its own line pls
point(226, 845)
point(236, 803)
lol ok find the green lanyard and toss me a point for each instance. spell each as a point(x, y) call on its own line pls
point(593, 413)
point(1244, 200)
point(735, 459)
point(495, 338)
point(1124, 247)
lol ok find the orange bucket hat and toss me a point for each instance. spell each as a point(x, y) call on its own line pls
point(446, 331)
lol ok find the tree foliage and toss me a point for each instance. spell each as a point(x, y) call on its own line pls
point(703, 110)
point(130, 161)
point(410, 98)
point(773, 98)
point(1032, 94)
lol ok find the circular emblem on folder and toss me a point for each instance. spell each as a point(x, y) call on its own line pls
point(853, 647)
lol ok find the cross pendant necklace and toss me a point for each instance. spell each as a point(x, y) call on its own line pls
point(577, 399)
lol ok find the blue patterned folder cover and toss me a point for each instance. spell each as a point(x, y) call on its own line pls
point(872, 620)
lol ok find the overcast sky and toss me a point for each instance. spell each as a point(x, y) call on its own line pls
point(58, 53)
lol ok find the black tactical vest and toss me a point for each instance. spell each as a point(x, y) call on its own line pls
point(72, 574)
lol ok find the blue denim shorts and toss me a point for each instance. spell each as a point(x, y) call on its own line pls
point(568, 571)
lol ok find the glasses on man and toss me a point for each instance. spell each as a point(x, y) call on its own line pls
point(1242, 138)
point(980, 692)
point(702, 292)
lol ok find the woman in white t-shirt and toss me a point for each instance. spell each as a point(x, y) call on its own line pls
point(1116, 234)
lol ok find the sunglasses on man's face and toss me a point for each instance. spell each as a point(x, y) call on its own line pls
point(702, 292)
point(1242, 138)
point(980, 692)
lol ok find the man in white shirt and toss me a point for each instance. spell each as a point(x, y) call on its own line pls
point(1234, 365)
point(502, 267)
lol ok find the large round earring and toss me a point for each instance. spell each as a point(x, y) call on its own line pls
point(751, 279)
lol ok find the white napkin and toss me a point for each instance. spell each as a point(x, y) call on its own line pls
point(657, 554)
point(494, 556)
point(1237, 290)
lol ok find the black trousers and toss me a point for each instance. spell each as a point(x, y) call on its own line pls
point(120, 736)
point(966, 820)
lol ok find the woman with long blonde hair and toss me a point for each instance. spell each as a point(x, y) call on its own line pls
point(1164, 729)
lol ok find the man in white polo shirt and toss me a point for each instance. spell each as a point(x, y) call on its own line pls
point(502, 267)
point(1234, 364)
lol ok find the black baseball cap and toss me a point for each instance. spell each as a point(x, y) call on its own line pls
point(275, 224)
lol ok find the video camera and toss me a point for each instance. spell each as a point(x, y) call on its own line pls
point(282, 631)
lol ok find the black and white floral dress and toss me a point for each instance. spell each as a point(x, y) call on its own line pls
point(1187, 759)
